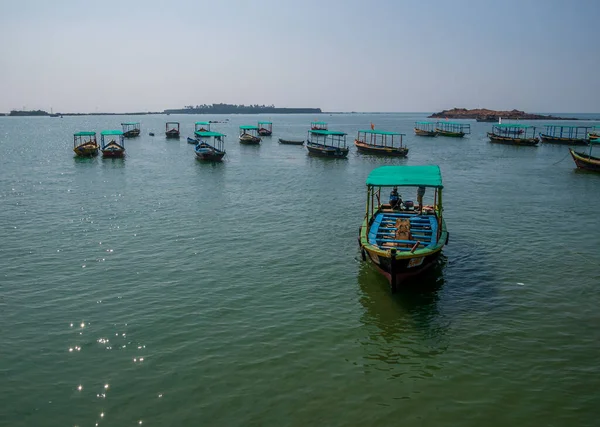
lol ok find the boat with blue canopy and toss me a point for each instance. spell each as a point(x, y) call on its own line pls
point(400, 239)
point(172, 129)
point(452, 129)
point(112, 143)
point(265, 128)
point(85, 144)
point(425, 129)
point(249, 135)
point(202, 127)
point(380, 142)
point(585, 160)
point(210, 146)
point(131, 129)
point(570, 135)
point(513, 134)
point(327, 143)
point(318, 126)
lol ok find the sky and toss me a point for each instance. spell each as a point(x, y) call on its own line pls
point(338, 55)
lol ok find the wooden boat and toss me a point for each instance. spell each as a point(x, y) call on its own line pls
point(202, 127)
point(318, 126)
point(594, 135)
point(210, 146)
point(381, 143)
point(291, 141)
point(265, 128)
point(327, 143)
point(85, 144)
point(513, 134)
point(172, 130)
point(131, 130)
point(151, 134)
point(570, 135)
point(192, 141)
point(452, 129)
point(112, 143)
point(249, 135)
point(398, 239)
point(586, 160)
point(425, 129)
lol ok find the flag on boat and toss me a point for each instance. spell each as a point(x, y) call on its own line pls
point(372, 126)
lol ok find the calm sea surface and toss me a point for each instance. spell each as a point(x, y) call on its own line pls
point(163, 291)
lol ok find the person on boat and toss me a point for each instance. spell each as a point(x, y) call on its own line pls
point(395, 200)
point(420, 194)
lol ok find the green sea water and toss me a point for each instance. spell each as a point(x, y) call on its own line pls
point(163, 291)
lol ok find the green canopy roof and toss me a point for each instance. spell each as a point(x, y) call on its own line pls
point(318, 123)
point(406, 176)
point(451, 123)
point(249, 127)
point(265, 123)
point(381, 132)
point(84, 134)
point(510, 125)
point(568, 126)
point(327, 132)
point(202, 123)
point(130, 124)
point(111, 132)
point(425, 123)
point(208, 134)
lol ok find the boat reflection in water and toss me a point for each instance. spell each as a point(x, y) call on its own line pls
point(407, 330)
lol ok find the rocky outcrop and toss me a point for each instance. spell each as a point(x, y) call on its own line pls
point(483, 114)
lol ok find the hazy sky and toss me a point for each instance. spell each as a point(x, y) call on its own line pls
point(339, 55)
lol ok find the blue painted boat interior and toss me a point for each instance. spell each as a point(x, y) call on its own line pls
point(423, 228)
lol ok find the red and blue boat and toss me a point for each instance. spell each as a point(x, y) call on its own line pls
point(112, 143)
point(265, 128)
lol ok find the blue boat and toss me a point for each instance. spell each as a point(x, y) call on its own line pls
point(210, 146)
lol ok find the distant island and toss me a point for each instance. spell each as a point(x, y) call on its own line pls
point(485, 115)
point(241, 109)
point(188, 109)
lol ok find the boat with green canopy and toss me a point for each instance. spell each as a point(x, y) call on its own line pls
point(513, 134)
point(249, 135)
point(380, 142)
point(210, 146)
point(453, 129)
point(585, 160)
point(265, 128)
point(562, 134)
point(202, 127)
point(172, 129)
point(425, 129)
point(327, 143)
point(318, 126)
point(85, 144)
point(112, 143)
point(131, 129)
point(400, 239)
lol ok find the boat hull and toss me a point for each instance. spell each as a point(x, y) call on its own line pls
point(380, 150)
point(290, 142)
point(249, 140)
point(265, 132)
point(192, 141)
point(172, 135)
point(327, 150)
point(420, 132)
point(450, 134)
point(209, 155)
point(86, 150)
point(512, 141)
point(113, 150)
point(131, 133)
point(584, 161)
point(566, 141)
point(402, 270)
